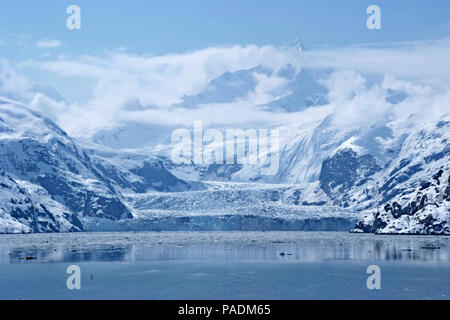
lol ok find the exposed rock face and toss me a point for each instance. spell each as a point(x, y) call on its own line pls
point(150, 175)
point(29, 208)
point(36, 150)
point(344, 170)
point(424, 211)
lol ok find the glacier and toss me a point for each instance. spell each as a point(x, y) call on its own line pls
point(388, 176)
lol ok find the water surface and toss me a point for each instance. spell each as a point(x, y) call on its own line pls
point(224, 265)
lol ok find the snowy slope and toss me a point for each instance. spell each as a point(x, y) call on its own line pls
point(300, 89)
point(25, 208)
point(414, 193)
point(35, 149)
point(425, 210)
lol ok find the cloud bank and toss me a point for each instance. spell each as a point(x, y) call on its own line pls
point(416, 60)
point(148, 89)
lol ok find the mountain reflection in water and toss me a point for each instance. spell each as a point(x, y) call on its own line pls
point(217, 246)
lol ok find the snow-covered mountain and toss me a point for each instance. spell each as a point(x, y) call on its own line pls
point(298, 90)
point(37, 151)
point(391, 172)
point(414, 194)
point(424, 210)
point(26, 207)
point(323, 169)
point(49, 181)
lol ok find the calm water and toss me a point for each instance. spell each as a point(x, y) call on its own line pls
point(224, 265)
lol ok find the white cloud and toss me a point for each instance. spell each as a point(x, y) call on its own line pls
point(419, 60)
point(46, 44)
point(357, 105)
point(156, 81)
point(159, 82)
point(12, 84)
point(267, 89)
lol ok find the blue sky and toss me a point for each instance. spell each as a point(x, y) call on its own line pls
point(160, 27)
point(153, 53)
